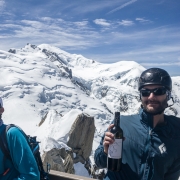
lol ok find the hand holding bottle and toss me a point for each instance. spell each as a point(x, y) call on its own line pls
point(108, 139)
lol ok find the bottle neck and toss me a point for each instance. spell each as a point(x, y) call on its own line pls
point(117, 119)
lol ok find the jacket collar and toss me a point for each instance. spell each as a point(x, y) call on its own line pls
point(146, 118)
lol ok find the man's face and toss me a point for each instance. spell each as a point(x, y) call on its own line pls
point(154, 103)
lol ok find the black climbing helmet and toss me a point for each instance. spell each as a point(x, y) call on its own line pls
point(155, 76)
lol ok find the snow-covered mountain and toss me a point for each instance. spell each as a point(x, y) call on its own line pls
point(36, 80)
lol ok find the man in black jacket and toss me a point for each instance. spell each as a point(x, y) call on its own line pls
point(151, 149)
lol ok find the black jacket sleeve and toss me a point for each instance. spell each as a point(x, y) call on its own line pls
point(174, 171)
point(100, 157)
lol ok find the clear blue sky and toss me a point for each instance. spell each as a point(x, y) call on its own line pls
point(145, 31)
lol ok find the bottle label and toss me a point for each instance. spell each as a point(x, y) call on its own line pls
point(115, 149)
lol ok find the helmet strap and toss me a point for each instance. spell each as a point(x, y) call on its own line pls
point(172, 103)
point(168, 94)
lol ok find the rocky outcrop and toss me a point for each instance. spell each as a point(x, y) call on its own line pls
point(59, 160)
point(81, 137)
point(12, 51)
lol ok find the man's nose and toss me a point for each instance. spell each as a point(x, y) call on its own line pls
point(151, 95)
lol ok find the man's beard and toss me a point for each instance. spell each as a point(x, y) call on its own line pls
point(158, 110)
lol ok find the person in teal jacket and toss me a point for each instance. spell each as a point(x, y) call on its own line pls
point(23, 165)
point(151, 148)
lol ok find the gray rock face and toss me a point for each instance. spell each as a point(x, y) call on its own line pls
point(81, 137)
point(59, 160)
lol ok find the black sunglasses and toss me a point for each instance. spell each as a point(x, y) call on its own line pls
point(157, 91)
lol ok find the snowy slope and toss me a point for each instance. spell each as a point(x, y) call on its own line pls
point(32, 84)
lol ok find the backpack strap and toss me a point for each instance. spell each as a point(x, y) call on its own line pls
point(3, 142)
